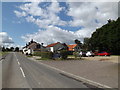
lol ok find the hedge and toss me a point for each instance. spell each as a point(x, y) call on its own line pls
point(64, 54)
point(48, 55)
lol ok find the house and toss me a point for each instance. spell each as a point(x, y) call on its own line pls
point(31, 47)
point(54, 47)
point(74, 47)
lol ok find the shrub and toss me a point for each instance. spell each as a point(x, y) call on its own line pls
point(76, 54)
point(38, 53)
point(47, 55)
point(64, 54)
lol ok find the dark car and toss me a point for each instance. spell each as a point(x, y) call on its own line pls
point(103, 54)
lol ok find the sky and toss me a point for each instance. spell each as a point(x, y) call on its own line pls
point(50, 22)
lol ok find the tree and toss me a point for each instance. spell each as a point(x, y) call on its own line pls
point(107, 38)
point(86, 44)
point(17, 49)
point(11, 48)
point(3, 49)
point(78, 42)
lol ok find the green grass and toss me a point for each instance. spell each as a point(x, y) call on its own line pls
point(29, 56)
point(115, 55)
point(3, 53)
point(43, 59)
point(71, 56)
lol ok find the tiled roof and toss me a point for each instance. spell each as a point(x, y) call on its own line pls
point(32, 44)
point(53, 44)
point(71, 47)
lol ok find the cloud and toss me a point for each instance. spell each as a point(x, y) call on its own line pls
point(86, 13)
point(20, 14)
point(52, 34)
point(4, 38)
point(90, 15)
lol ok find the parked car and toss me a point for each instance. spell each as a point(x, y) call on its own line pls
point(82, 54)
point(90, 54)
point(104, 54)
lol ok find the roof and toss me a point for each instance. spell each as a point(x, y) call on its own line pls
point(32, 44)
point(53, 44)
point(71, 47)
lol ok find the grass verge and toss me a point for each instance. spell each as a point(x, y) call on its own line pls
point(3, 53)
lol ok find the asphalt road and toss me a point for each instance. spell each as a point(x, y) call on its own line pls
point(0, 73)
point(20, 72)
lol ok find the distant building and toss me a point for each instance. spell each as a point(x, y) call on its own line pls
point(31, 47)
point(54, 47)
point(74, 47)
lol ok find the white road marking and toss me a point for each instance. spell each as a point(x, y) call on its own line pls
point(17, 60)
point(22, 72)
point(18, 63)
point(78, 77)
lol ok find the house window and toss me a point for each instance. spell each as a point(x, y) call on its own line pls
point(38, 46)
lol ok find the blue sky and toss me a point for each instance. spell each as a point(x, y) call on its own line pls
point(52, 22)
point(14, 26)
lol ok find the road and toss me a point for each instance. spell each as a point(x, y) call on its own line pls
point(0, 72)
point(20, 72)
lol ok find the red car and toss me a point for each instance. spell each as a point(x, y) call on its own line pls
point(103, 54)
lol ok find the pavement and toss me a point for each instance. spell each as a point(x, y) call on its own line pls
point(20, 72)
point(102, 72)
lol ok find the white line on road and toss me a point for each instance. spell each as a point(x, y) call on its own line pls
point(78, 77)
point(18, 63)
point(17, 60)
point(22, 72)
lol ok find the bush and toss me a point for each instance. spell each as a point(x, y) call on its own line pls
point(37, 53)
point(76, 54)
point(64, 54)
point(47, 55)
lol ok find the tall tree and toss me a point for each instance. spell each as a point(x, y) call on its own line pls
point(86, 44)
point(107, 38)
point(78, 42)
point(17, 49)
point(11, 48)
point(3, 49)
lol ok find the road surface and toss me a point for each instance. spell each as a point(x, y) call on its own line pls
point(20, 72)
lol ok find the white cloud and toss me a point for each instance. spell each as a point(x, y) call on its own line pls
point(46, 16)
point(86, 14)
point(4, 38)
point(90, 15)
point(20, 14)
point(52, 34)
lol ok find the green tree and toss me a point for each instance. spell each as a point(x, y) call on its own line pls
point(107, 38)
point(17, 49)
point(3, 49)
point(78, 42)
point(86, 44)
point(11, 48)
